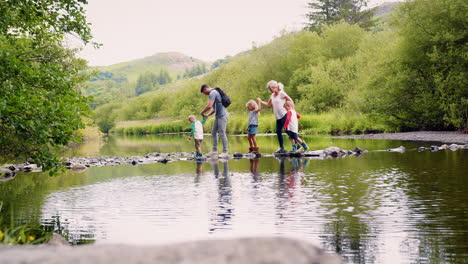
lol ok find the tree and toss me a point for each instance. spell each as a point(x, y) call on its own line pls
point(425, 85)
point(41, 105)
point(326, 12)
point(146, 82)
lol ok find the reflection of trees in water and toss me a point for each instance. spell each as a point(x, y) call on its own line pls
point(350, 237)
point(345, 233)
point(435, 184)
point(221, 215)
point(56, 225)
point(343, 192)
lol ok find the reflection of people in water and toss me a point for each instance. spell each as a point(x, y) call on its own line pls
point(222, 214)
point(288, 182)
point(199, 171)
point(254, 168)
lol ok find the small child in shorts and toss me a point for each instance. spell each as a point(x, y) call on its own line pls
point(196, 132)
point(292, 127)
point(252, 129)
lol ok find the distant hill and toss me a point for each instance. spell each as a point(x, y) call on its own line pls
point(386, 8)
point(175, 62)
point(125, 80)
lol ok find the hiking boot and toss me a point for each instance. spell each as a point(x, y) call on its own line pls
point(298, 146)
point(198, 155)
point(280, 151)
point(294, 148)
point(212, 154)
point(255, 150)
point(304, 145)
point(251, 150)
point(223, 155)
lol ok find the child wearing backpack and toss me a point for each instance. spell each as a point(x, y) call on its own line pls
point(196, 132)
point(252, 129)
point(292, 127)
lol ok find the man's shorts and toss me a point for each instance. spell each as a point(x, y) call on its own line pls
point(198, 142)
point(253, 129)
point(291, 134)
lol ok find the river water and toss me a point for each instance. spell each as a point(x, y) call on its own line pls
point(380, 207)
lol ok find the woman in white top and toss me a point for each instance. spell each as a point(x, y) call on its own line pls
point(277, 99)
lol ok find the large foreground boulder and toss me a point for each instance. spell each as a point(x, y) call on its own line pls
point(233, 251)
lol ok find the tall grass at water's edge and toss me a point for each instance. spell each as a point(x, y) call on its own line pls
point(326, 123)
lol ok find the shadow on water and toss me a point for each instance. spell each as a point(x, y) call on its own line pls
point(380, 207)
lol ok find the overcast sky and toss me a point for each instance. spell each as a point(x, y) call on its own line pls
point(204, 29)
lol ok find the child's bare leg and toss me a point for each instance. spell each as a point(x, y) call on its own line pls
point(292, 141)
point(249, 136)
point(254, 141)
point(299, 140)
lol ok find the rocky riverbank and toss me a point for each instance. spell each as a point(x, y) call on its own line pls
point(430, 136)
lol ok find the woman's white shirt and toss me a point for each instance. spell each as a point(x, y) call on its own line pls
point(278, 104)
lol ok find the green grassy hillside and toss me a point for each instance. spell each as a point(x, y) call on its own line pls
point(120, 81)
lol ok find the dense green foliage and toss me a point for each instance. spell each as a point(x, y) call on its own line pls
point(11, 234)
point(424, 84)
point(326, 123)
point(149, 81)
point(199, 69)
point(217, 63)
point(408, 76)
point(40, 104)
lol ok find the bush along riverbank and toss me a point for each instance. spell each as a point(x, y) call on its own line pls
point(335, 123)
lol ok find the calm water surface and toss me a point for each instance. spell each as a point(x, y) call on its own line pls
point(380, 207)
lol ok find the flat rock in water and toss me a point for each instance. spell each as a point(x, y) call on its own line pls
point(400, 149)
point(334, 152)
point(314, 153)
point(255, 250)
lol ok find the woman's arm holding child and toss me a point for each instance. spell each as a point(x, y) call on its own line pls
point(259, 108)
point(267, 104)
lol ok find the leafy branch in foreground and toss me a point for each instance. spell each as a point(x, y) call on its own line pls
point(41, 106)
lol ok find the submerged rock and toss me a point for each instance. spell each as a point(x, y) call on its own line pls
point(6, 174)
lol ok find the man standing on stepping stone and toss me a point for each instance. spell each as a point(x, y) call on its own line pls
point(220, 122)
